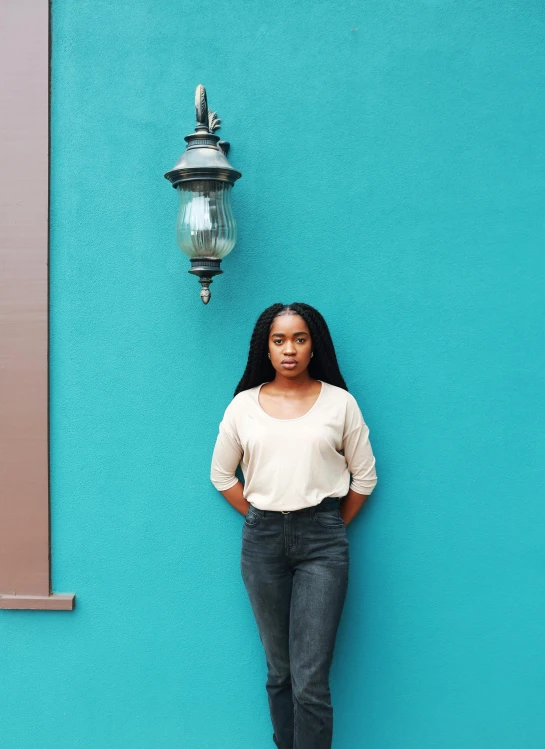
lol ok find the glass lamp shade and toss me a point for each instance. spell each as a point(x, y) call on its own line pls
point(206, 225)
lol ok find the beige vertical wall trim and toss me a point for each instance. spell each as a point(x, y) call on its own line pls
point(24, 207)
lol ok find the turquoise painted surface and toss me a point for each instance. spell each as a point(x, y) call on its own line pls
point(393, 176)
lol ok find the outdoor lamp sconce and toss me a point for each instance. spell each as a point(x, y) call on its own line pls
point(206, 228)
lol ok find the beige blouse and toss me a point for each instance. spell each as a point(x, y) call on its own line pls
point(288, 464)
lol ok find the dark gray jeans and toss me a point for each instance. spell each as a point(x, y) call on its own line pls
point(295, 569)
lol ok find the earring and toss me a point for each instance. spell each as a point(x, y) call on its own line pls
point(311, 354)
point(269, 356)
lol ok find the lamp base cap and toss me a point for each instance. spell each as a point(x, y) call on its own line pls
point(205, 266)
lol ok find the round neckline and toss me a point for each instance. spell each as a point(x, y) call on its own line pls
point(296, 418)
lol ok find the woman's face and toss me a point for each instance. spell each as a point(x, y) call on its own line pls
point(290, 345)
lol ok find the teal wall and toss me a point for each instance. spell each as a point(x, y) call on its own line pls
point(393, 176)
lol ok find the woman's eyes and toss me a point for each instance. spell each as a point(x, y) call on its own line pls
point(303, 340)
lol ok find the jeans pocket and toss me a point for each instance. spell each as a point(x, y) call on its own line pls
point(329, 518)
point(252, 517)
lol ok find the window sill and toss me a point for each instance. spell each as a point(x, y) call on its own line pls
point(54, 602)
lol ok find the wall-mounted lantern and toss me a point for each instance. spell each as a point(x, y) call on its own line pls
point(206, 227)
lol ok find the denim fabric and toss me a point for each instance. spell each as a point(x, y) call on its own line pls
point(295, 569)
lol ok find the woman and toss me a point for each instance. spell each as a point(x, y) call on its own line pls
point(298, 435)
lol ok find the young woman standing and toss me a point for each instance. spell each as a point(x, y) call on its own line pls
point(298, 434)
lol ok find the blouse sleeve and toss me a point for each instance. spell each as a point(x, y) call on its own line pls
point(358, 452)
point(226, 455)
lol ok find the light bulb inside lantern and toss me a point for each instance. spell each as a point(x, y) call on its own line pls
point(206, 225)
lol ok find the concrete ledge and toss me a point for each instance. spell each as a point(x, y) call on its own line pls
point(54, 602)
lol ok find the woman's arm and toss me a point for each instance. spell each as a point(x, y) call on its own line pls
point(235, 498)
point(360, 461)
point(351, 505)
point(225, 459)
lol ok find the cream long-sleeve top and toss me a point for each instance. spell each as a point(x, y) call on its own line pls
point(289, 464)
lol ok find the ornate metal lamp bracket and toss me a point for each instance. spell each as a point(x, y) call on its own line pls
point(207, 121)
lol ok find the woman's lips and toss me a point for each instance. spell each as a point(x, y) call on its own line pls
point(289, 364)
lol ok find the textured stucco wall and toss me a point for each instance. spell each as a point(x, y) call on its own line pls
point(393, 176)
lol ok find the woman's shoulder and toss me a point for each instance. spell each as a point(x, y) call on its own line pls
point(341, 394)
point(347, 402)
point(241, 400)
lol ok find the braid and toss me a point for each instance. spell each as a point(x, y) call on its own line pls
point(322, 366)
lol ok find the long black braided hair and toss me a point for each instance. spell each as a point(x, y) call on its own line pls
point(322, 366)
